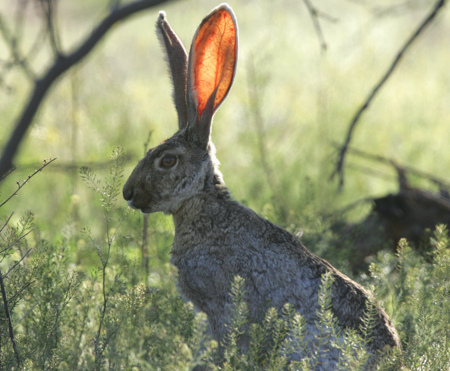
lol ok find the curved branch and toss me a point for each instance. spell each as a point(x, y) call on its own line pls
point(61, 65)
point(339, 170)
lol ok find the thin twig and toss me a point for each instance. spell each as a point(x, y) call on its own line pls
point(59, 310)
point(48, 8)
point(21, 290)
point(370, 171)
point(18, 240)
point(314, 13)
point(85, 310)
point(105, 296)
point(326, 16)
point(105, 305)
point(13, 42)
point(407, 168)
point(7, 221)
point(26, 314)
point(18, 59)
point(7, 173)
point(339, 170)
point(36, 46)
point(8, 317)
point(114, 4)
point(19, 19)
point(23, 257)
point(20, 185)
point(59, 67)
point(396, 9)
point(30, 354)
point(113, 237)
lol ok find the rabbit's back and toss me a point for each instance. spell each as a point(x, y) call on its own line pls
point(217, 239)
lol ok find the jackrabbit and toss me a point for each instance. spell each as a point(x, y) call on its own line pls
point(217, 238)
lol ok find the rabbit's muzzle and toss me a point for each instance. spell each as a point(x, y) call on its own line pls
point(135, 193)
point(128, 191)
point(137, 199)
point(128, 194)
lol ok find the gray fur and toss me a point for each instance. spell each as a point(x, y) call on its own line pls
point(177, 60)
point(217, 238)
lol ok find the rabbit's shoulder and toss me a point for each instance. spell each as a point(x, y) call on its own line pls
point(228, 240)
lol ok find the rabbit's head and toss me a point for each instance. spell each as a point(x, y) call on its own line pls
point(185, 164)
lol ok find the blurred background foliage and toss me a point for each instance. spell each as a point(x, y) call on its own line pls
point(281, 149)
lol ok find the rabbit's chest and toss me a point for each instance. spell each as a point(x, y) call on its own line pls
point(202, 278)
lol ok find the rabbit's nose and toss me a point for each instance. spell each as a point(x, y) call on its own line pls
point(127, 193)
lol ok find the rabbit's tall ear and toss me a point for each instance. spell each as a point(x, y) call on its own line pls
point(177, 59)
point(212, 66)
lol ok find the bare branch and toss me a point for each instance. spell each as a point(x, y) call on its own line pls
point(23, 257)
point(61, 65)
point(315, 14)
point(326, 16)
point(36, 46)
point(13, 41)
point(21, 290)
point(395, 9)
point(370, 171)
point(339, 170)
point(114, 4)
point(7, 173)
point(19, 18)
point(8, 318)
point(48, 8)
point(18, 59)
point(7, 221)
point(18, 240)
point(26, 314)
point(20, 185)
point(409, 169)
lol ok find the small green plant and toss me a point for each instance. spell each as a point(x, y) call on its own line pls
point(277, 342)
point(108, 325)
point(416, 292)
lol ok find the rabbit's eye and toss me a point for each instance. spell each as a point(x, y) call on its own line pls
point(168, 161)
